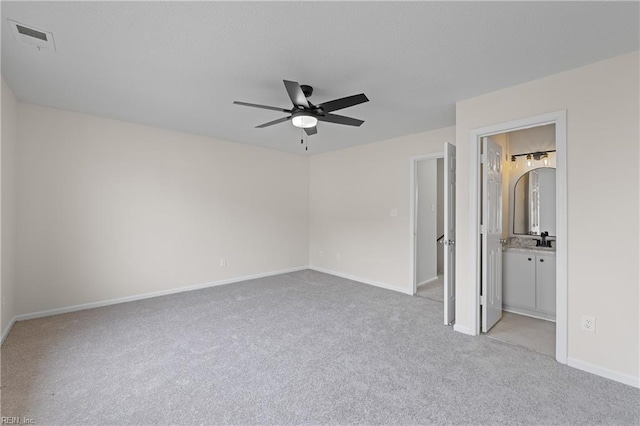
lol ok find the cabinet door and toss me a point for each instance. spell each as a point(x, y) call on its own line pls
point(519, 280)
point(546, 283)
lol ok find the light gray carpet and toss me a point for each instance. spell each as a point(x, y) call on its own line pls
point(298, 348)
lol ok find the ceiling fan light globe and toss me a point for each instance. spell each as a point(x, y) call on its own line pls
point(304, 121)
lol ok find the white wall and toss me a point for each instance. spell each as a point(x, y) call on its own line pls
point(110, 209)
point(603, 188)
point(8, 211)
point(540, 138)
point(352, 193)
point(426, 220)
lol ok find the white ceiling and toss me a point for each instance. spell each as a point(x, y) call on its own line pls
point(180, 65)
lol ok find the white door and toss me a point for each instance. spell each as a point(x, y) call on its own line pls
point(491, 227)
point(449, 233)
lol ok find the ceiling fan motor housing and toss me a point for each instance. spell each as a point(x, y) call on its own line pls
point(307, 90)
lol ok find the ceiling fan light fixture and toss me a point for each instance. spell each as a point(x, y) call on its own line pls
point(304, 121)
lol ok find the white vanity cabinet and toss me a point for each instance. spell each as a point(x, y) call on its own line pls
point(529, 283)
point(519, 280)
point(546, 283)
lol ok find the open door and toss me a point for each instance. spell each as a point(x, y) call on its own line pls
point(491, 228)
point(449, 233)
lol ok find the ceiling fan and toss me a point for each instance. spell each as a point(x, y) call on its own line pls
point(306, 115)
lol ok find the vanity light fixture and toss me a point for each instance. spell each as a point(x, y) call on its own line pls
point(514, 163)
point(537, 156)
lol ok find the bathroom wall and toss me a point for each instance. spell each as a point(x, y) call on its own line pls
point(541, 138)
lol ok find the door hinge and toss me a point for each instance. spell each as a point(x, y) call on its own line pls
point(483, 229)
point(483, 158)
point(483, 300)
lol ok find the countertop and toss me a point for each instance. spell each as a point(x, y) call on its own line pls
point(529, 249)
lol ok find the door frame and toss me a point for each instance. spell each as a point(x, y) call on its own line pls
point(413, 167)
point(559, 118)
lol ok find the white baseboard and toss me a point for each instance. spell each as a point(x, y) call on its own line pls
point(530, 314)
point(108, 302)
point(572, 362)
point(463, 329)
point(362, 280)
point(427, 281)
point(6, 331)
point(627, 379)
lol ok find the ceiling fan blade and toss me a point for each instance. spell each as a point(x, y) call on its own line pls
point(261, 106)
point(339, 119)
point(311, 130)
point(295, 93)
point(343, 102)
point(271, 123)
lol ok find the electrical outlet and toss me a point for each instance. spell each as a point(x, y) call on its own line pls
point(223, 262)
point(393, 213)
point(588, 323)
point(338, 257)
point(321, 253)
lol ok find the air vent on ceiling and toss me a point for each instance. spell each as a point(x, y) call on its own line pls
point(32, 36)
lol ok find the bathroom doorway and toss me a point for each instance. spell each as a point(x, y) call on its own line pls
point(520, 288)
point(526, 245)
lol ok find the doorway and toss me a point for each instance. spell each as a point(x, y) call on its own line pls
point(523, 310)
point(432, 219)
point(429, 228)
point(487, 290)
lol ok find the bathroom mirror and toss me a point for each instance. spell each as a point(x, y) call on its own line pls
point(534, 208)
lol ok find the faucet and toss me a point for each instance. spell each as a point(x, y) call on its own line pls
point(543, 242)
